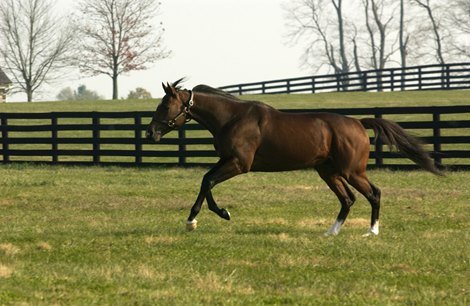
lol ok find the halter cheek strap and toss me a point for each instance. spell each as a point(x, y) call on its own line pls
point(185, 112)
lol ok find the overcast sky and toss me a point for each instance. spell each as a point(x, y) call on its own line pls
point(215, 42)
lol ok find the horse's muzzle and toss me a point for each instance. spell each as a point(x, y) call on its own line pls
point(153, 134)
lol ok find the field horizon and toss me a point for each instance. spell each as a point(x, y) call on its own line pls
point(280, 101)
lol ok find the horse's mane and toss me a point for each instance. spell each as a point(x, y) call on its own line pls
point(213, 91)
point(204, 89)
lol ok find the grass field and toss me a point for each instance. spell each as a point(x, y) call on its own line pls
point(116, 236)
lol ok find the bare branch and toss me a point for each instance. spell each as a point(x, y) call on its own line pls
point(118, 36)
point(35, 45)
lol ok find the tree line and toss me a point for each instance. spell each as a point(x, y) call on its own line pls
point(110, 37)
point(355, 35)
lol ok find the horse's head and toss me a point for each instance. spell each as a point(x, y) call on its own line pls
point(172, 112)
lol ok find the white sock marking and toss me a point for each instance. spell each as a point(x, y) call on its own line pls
point(334, 230)
point(374, 230)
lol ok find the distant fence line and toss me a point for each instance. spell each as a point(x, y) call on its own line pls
point(117, 138)
point(428, 77)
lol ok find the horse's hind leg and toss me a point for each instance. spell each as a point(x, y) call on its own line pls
point(372, 194)
point(344, 194)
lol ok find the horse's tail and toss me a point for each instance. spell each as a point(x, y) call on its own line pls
point(394, 136)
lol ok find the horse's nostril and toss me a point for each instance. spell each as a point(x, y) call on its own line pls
point(148, 132)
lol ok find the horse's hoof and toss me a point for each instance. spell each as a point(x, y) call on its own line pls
point(225, 214)
point(191, 225)
point(370, 234)
point(330, 234)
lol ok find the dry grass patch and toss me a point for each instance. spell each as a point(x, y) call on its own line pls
point(314, 222)
point(291, 261)
point(284, 237)
point(357, 222)
point(148, 272)
point(159, 239)
point(9, 249)
point(212, 282)
point(6, 271)
point(271, 221)
point(43, 246)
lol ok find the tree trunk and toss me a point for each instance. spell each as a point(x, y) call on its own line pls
point(115, 87)
point(342, 46)
point(29, 93)
point(436, 30)
point(402, 34)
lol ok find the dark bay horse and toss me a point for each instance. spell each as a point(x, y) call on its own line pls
point(252, 136)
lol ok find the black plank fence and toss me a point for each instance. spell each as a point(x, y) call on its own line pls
point(429, 77)
point(118, 138)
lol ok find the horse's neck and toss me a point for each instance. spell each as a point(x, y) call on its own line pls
point(211, 111)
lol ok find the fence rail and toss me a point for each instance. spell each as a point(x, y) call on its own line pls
point(429, 77)
point(118, 138)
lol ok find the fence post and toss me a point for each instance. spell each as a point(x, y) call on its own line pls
point(379, 78)
point(403, 78)
point(5, 144)
point(96, 138)
point(313, 84)
point(263, 88)
point(379, 161)
point(240, 90)
point(364, 81)
point(288, 86)
point(420, 79)
point(54, 139)
point(392, 80)
point(138, 139)
point(436, 134)
point(182, 146)
point(447, 76)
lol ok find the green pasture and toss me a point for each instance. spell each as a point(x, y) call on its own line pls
point(116, 236)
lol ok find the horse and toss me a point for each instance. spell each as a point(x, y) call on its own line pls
point(252, 136)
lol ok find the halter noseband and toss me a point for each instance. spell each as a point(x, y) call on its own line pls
point(185, 112)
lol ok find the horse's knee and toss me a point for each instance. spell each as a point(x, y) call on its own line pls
point(207, 184)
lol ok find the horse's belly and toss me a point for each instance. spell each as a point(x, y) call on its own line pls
point(287, 158)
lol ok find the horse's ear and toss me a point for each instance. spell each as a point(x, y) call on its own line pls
point(169, 90)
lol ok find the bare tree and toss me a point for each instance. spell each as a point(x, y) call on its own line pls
point(34, 43)
point(338, 5)
point(435, 28)
point(378, 24)
point(310, 21)
point(459, 17)
point(378, 28)
point(119, 36)
point(404, 38)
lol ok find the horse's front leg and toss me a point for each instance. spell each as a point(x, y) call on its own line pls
point(221, 212)
point(224, 170)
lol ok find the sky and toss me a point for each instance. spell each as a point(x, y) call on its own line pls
point(213, 42)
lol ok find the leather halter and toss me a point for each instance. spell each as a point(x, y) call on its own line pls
point(185, 112)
